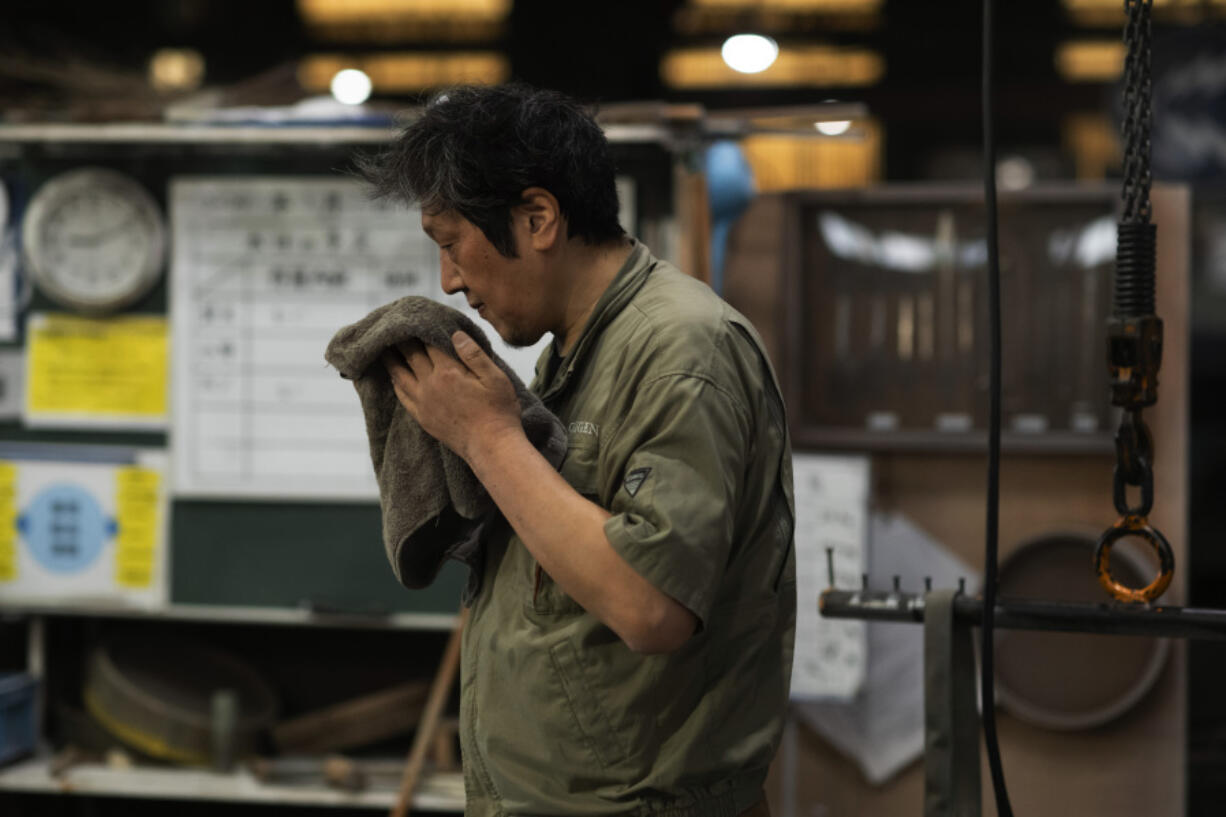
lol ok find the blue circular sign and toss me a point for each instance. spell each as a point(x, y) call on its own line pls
point(65, 528)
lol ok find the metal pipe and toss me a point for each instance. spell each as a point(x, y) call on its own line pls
point(1030, 614)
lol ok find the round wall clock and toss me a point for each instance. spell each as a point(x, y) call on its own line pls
point(94, 240)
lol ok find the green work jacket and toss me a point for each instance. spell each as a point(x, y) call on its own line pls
point(677, 428)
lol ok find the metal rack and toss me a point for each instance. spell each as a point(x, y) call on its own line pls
point(1027, 614)
point(438, 792)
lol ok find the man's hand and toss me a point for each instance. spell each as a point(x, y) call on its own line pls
point(464, 404)
point(470, 406)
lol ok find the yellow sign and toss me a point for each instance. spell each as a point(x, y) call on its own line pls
point(8, 522)
point(136, 516)
point(106, 371)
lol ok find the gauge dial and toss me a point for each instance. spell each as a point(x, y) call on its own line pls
point(94, 240)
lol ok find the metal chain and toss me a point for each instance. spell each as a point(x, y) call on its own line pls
point(1133, 444)
point(1134, 343)
point(1134, 455)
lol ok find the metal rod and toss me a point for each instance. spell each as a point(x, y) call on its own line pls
point(1030, 614)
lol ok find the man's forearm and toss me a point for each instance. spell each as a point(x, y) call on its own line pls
point(565, 533)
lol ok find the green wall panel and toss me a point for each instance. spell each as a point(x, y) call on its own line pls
point(290, 555)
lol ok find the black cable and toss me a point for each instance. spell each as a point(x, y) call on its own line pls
point(1135, 254)
point(986, 670)
point(1137, 110)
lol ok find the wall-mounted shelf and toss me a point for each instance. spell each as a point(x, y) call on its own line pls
point(436, 792)
point(928, 442)
point(228, 614)
point(272, 134)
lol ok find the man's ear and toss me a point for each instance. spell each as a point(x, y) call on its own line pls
point(541, 218)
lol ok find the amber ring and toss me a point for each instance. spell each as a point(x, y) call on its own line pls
point(1132, 525)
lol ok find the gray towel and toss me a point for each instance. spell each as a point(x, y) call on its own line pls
point(434, 508)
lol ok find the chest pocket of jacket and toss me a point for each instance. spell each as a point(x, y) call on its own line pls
point(580, 469)
point(582, 465)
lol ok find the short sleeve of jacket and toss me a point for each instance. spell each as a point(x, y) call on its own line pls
point(674, 511)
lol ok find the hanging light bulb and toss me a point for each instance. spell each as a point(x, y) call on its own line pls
point(749, 53)
point(351, 86)
point(833, 128)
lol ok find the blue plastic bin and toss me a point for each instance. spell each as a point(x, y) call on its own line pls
point(18, 730)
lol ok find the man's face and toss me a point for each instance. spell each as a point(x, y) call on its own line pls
point(504, 291)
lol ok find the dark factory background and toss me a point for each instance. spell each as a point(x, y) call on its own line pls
point(1059, 61)
point(175, 93)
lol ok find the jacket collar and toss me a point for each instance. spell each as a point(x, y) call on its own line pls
point(629, 279)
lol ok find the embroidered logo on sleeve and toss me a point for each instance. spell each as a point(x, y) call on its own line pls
point(635, 479)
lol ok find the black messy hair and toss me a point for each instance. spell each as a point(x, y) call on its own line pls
point(475, 149)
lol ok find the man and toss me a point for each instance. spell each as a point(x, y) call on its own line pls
point(629, 651)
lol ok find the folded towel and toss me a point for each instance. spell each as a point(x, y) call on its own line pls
point(434, 508)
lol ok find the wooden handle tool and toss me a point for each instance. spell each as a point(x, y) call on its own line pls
point(440, 690)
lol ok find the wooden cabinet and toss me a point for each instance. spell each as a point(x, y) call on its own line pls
point(782, 274)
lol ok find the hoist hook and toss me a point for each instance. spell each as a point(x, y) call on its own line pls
point(1138, 526)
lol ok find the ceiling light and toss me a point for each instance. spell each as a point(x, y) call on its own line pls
point(833, 128)
point(828, 6)
point(1090, 60)
point(407, 72)
point(1112, 12)
point(176, 69)
point(749, 53)
point(810, 66)
point(351, 86)
point(318, 12)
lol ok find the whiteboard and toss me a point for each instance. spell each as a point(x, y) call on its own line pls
point(264, 270)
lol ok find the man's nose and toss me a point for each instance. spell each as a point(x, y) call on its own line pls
point(449, 276)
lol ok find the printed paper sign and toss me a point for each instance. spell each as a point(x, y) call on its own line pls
point(83, 532)
point(831, 512)
point(100, 373)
